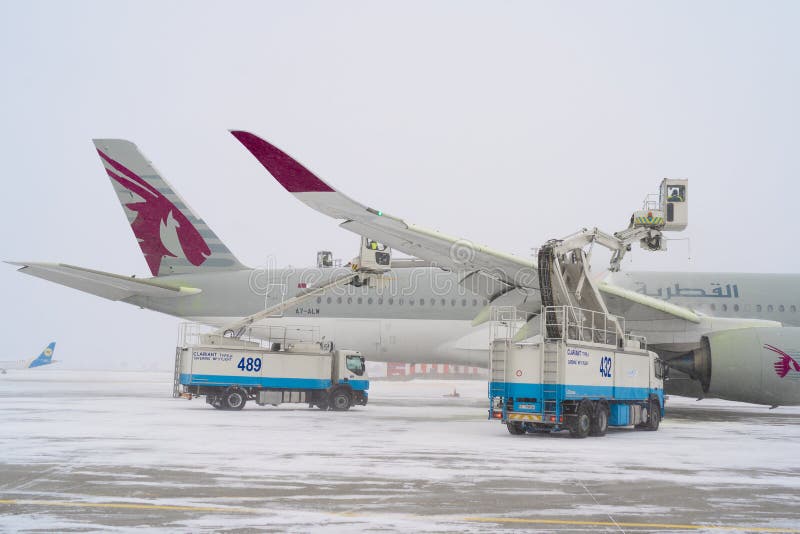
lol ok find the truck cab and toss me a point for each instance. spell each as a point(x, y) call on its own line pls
point(350, 371)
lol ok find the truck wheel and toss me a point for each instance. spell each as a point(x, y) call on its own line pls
point(600, 419)
point(582, 421)
point(340, 400)
point(515, 428)
point(653, 415)
point(234, 399)
point(322, 405)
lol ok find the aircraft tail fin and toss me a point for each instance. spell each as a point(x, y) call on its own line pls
point(45, 358)
point(173, 239)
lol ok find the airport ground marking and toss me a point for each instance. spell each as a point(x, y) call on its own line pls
point(570, 522)
point(129, 506)
point(500, 520)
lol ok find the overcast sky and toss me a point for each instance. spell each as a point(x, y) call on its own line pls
point(508, 123)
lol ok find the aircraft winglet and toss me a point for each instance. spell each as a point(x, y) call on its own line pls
point(291, 174)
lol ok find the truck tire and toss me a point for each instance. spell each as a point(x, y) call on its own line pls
point(216, 402)
point(340, 400)
point(515, 428)
point(653, 415)
point(322, 405)
point(234, 399)
point(581, 423)
point(600, 419)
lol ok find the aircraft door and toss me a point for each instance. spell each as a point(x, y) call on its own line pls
point(275, 294)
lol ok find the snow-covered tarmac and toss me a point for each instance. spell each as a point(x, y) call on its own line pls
point(112, 451)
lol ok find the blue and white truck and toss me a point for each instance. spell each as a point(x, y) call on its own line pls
point(562, 361)
point(231, 371)
point(577, 374)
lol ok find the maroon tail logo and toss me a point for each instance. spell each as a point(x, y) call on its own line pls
point(785, 363)
point(154, 212)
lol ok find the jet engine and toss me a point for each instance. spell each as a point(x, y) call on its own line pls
point(758, 365)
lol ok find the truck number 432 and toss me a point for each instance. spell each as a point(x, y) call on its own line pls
point(250, 364)
point(605, 366)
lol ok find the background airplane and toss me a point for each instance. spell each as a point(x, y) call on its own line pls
point(44, 358)
point(422, 313)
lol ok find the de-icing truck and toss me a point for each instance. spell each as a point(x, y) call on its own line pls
point(230, 371)
point(578, 374)
point(572, 364)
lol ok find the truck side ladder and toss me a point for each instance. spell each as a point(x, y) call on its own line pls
point(550, 379)
point(176, 379)
point(498, 363)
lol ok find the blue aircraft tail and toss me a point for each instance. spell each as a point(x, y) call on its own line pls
point(45, 358)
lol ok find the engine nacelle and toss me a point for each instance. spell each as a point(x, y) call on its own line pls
point(758, 365)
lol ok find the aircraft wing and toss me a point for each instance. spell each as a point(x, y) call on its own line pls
point(106, 285)
point(637, 307)
point(445, 251)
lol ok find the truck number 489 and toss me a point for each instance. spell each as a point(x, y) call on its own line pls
point(250, 364)
point(605, 366)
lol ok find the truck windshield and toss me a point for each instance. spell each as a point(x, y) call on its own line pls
point(660, 367)
point(355, 364)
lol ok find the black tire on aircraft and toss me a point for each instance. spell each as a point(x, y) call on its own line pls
point(599, 419)
point(581, 422)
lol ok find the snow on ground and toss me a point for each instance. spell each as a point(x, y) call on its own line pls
point(412, 460)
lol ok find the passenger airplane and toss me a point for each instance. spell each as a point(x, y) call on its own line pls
point(422, 313)
point(45, 358)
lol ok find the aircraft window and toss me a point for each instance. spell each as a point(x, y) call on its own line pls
point(319, 300)
point(714, 307)
point(474, 302)
point(433, 301)
point(463, 302)
point(444, 302)
point(391, 301)
point(338, 300)
point(400, 302)
point(329, 300)
point(793, 308)
point(781, 308)
point(758, 308)
point(369, 300)
point(453, 302)
point(485, 302)
point(410, 302)
point(769, 308)
point(360, 300)
point(735, 307)
point(724, 307)
point(349, 300)
point(380, 301)
point(422, 302)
